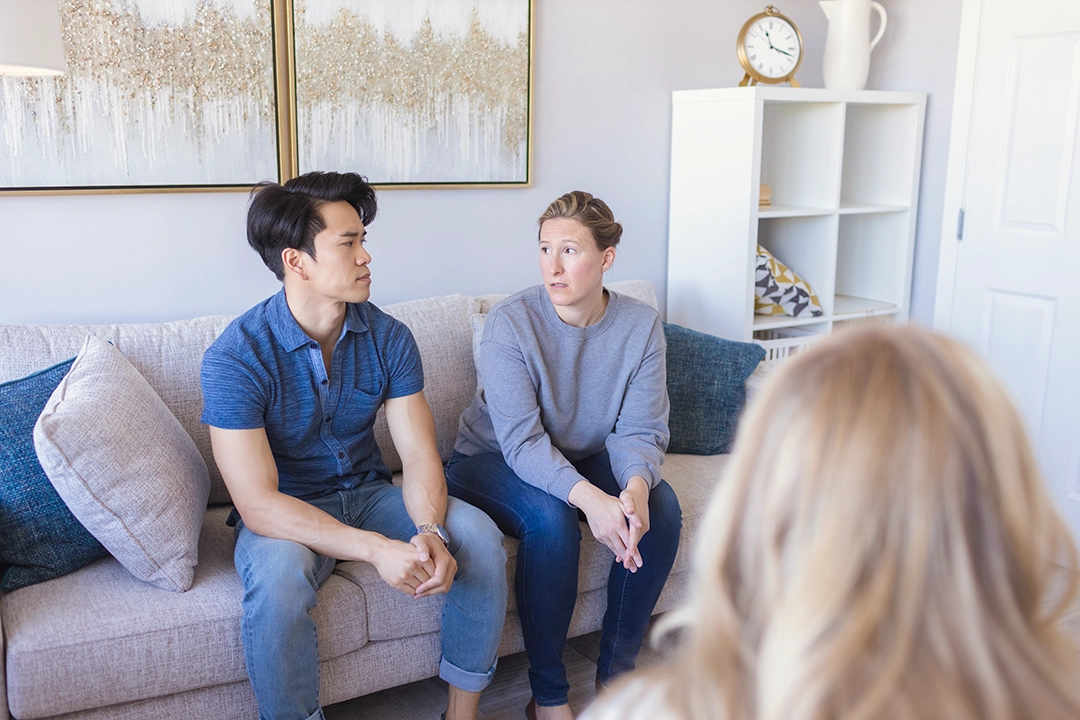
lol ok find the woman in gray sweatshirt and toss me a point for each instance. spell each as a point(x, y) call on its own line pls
point(571, 419)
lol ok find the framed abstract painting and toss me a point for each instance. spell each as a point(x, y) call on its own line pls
point(159, 96)
point(412, 92)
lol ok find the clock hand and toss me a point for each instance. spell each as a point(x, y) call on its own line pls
point(781, 51)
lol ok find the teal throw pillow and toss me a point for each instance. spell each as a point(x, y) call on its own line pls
point(39, 537)
point(706, 383)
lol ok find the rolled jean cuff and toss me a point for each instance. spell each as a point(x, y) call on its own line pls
point(317, 715)
point(465, 680)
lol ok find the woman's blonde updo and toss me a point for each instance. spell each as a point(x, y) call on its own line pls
point(592, 212)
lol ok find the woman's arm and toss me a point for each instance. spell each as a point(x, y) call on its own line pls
point(636, 446)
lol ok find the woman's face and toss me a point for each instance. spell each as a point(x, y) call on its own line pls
point(572, 263)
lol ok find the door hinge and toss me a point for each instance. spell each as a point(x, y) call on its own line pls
point(960, 225)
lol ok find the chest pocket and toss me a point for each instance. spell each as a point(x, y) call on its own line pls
point(357, 408)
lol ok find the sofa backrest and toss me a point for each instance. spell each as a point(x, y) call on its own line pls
point(169, 355)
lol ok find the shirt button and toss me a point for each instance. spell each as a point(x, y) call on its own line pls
point(340, 455)
point(314, 346)
point(323, 382)
point(328, 419)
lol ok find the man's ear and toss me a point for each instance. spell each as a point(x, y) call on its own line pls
point(293, 261)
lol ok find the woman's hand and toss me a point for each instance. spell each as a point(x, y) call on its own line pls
point(605, 515)
point(635, 507)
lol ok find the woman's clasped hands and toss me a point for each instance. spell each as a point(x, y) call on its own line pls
point(618, 522)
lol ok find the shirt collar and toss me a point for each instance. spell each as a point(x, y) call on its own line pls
point(289, 333)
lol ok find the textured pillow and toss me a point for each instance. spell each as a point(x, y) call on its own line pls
point(125, 466)
point(778, 290)
point(39, 537)
point(706, 383)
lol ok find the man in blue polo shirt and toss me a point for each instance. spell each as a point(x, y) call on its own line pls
point(290, 392)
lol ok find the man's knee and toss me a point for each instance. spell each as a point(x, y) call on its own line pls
point(281, 571)
point(474, 536)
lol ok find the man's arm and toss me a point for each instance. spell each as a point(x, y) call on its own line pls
point(247, 466)
point(423, 486)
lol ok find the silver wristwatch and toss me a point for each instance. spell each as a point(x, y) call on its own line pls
point(436, 529)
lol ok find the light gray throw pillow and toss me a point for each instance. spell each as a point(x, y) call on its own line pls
point(125, 467)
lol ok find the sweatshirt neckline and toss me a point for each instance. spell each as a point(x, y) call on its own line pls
point(556, 323)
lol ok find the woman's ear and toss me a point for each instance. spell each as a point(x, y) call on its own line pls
point(609, 258)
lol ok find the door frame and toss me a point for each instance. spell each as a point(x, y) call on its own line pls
point(956, 169)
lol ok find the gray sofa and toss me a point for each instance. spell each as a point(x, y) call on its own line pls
point(100, 644)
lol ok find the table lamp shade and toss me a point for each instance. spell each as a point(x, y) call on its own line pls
point(30, 40)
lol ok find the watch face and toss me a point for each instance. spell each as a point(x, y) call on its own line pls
point(772, 47)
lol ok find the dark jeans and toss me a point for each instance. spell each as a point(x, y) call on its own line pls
point(547, 564)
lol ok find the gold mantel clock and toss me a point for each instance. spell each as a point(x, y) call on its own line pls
point(770, 49)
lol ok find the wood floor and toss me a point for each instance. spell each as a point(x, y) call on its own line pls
point(504, 699)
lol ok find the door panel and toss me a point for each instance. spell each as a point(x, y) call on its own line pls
point(1015, 293)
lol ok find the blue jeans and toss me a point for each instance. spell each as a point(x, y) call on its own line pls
point(547, 564)
point(281, 577)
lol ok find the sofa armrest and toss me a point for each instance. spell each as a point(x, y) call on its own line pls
point(3, 675)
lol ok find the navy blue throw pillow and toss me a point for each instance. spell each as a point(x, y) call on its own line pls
point(39, 537)
point(706, 383)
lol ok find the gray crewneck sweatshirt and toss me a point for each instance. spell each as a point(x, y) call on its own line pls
point(554, 393)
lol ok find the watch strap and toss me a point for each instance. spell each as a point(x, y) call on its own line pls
point(435, 529)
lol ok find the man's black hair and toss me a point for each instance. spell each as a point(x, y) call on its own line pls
point(289, 216)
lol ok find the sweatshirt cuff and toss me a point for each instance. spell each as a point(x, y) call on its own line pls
point(642, 471)
point(564, 482)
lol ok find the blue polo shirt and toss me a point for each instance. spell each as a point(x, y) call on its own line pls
point(264, 371)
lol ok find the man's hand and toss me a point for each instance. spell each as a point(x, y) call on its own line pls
point(635, 506)
point(403, 566)
point(444, 564)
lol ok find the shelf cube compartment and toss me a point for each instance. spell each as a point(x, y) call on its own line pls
point(873, 265)
point(806, 246)
point(881, 145)
point(800, 150)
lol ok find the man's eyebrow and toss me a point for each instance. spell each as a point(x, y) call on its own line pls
point(351, 233)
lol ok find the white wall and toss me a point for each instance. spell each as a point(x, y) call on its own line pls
point(604, 71)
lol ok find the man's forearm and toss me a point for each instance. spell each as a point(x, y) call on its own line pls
point(424, 492)
point(287, 518)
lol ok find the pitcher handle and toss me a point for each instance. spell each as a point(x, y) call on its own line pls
point(881, 28)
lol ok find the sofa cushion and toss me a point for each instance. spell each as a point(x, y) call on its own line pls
point(706, 383)
point(167, 354)
point(125, 467)
point(99, 637)
point(39, 537)
point(440, 326)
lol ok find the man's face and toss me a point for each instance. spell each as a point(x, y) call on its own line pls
point(339, 270)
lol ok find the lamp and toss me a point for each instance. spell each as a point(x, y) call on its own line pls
point(30, 40)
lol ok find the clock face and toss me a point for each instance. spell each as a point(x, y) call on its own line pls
point(772, 47)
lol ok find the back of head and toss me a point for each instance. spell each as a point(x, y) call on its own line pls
point(288, 216)
point(882, 546)
point(592, 212)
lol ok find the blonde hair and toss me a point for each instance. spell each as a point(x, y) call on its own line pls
point(592, 212)
point(882, 546)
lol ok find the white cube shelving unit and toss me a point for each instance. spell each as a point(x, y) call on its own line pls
point(844, 171)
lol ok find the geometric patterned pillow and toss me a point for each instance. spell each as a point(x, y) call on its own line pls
point(778, 290)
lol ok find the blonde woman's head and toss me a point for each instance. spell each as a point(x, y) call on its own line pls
point(881, 546)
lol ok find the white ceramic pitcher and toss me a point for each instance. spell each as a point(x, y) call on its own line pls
point(847, 52)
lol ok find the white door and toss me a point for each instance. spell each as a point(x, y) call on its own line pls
point(1011, 286)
